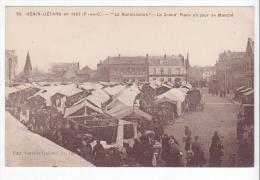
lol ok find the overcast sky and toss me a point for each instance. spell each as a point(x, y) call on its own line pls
point(88, 39)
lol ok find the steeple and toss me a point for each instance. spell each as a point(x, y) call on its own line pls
point(28, 66)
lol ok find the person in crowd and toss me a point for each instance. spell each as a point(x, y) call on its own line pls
point(240, 130)
point(174, 156)
point(140, 127)
point(86, 149)
point(114, 158)
point(244, 153)
point(187, 138)
point(59, 137)
point(216, 151)
point(158, 130)
point(77, 143)
point(137, 151)
point(198, 154)
point(187, 131)
point(98, 154)
point(148, 154)
point(165, 147)
point(66, 136)
point(215, 138)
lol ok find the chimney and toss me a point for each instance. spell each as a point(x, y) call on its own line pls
point(164, 56)
point(119, 55)
point(108, 59)
point(100, 62)
point(147, 56)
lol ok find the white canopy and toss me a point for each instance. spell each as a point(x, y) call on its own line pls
point(184, 90)
point(173, 94)
point(48, 91)
point(88, 86)
point(77, 106)
point(68, 90)
point(114, 90)
point(35, 151)
point(240, 88)
point(167, 86)
point(123, 105)
point(249, 92)
point(245, 90)
point(98, 97)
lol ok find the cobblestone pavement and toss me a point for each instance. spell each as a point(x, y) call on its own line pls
point(219, 114)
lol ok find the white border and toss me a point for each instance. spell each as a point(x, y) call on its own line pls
point(130, 173)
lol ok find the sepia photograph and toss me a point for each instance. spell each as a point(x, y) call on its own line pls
point(129, 86)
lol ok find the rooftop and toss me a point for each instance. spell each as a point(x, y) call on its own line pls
point(154, 60)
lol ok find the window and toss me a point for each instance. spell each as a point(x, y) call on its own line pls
point(162, 72)
point(178, 70)
point(161, 62)
point(169, 71)
point(169, 79)
point(154, 71)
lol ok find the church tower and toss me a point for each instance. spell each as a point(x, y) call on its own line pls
point(28, 67)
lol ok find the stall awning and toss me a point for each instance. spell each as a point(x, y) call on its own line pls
point(248, 93)
point(245, 90)
point(77, 106)
point(241, 88)
point(44, 153)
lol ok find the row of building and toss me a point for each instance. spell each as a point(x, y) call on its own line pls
point(113, 69)
point(236, 69)
point(57, 71)
point(143, 68)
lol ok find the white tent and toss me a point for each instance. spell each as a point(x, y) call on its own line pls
point(184, 90)
point(68, 90)
point(175, 96)
point(47, 92)
point(245, 90)
point(123, 105)
point(166, 85)
point(77, 106)
point(114, 90)
point(88, 86)
point(186, 84)
point(98, 97)
point(27, 149)
point(241, 88)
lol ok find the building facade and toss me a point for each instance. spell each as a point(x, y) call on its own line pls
point(236, 69)
point(250, 63)
point(230, 70)
point(10, 66)
point(64, 70)
point(123, 68)
point(167, 68)
point(208, 72)
point(142, 68)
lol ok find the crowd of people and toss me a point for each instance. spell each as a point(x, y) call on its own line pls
point(149, 149)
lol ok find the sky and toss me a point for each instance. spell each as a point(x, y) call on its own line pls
point(89, 39)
